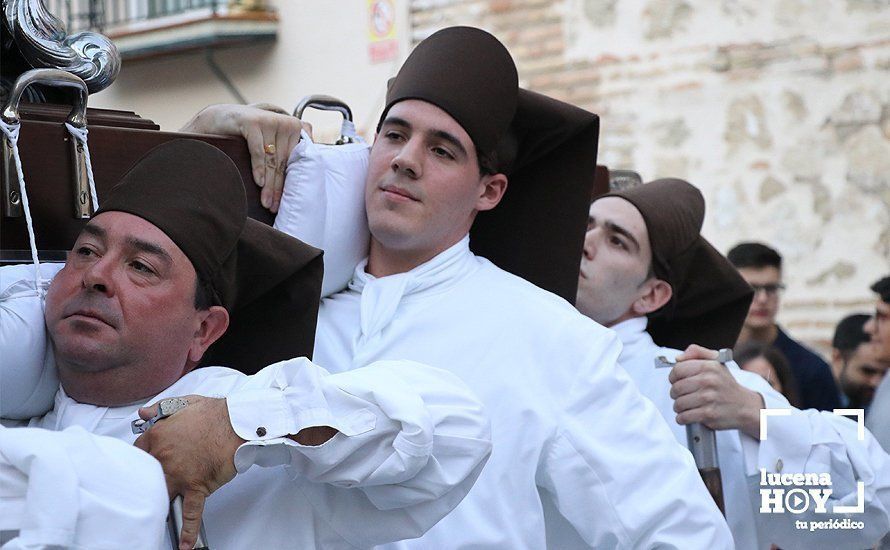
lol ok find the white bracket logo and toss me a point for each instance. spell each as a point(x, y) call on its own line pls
point(858, 413)
point(860, 422)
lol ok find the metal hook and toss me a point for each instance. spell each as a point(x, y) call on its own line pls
point(51, 77)
point(12, 206)
point(326, 103)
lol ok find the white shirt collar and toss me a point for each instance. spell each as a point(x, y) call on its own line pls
point(437, 266)
point(381, 296)
point(631, 330)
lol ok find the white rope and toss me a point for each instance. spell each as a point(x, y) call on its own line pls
point(12, 132)
point(347, 129)
point(80, 134)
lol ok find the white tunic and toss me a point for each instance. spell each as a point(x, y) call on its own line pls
point(808, 441)
point(568, 425)
point(412, 440)
point(65, 489)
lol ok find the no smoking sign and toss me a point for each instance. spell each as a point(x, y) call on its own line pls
point(383, 44)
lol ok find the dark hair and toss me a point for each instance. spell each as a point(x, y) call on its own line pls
point(752, 350)
point(754, 255)
point(205, 296)
point(487, 163)
point(882, 287)
point(848, 335)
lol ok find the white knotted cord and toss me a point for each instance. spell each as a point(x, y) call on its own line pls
point(80, 134)
point(12, 133)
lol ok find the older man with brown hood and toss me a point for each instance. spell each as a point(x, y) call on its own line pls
point(169, 275)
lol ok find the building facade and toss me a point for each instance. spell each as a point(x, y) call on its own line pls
point(779, 111)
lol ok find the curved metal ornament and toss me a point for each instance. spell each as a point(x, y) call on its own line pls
point(43, 41)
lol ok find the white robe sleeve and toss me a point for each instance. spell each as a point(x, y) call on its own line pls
point(72, 489)
point(323, 205)
point(811, 441)
point(28, 378)
point(621, 479)
point(878, 420)
point(412, 440)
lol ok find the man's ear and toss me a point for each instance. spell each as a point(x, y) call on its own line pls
point(655, 294)
point(835, 355)
point(214, 322)
point(494, 187)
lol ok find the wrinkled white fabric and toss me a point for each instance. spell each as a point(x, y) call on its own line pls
point(569, 427)
point(400, 462)
point(324, 187)
point(806, 442)
point(72, 489)
point(28, 378)
point(820, 441)
point(412, 440)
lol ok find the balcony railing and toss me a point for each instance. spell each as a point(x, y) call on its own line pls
point(145, 28)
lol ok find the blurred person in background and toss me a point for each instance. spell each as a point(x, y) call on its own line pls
point(854, 362)
point(878, 330)
point(761, 266)
point(769, 363)
point(878, 327)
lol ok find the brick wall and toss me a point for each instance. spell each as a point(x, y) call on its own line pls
point(779, 111)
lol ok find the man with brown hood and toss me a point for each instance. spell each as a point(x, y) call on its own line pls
point(648, 274)
point(170, 274)
point(575, 444)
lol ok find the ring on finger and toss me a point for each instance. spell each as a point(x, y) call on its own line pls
point(270, 148)
point(170, 405)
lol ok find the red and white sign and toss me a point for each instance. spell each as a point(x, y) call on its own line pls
point(383, 45)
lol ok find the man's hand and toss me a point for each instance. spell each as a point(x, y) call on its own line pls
point(271, 135)
point(196, 447)
point(705, 391)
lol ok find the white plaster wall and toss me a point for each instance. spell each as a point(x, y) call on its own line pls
point(322, 47)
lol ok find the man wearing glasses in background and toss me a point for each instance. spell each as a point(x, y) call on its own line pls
point(761, 266)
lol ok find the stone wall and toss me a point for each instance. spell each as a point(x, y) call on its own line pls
point(779, 111)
